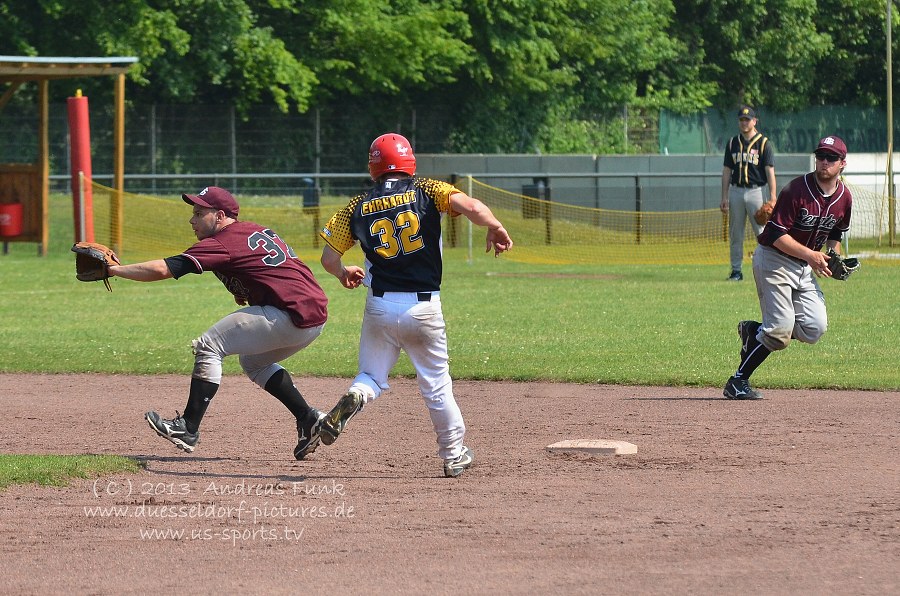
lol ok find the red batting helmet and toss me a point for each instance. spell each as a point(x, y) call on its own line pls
point(391, 153)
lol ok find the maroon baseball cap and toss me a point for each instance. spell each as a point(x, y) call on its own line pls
point(833, 144)
point(213, 197)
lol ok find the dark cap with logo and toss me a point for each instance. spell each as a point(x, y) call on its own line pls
point(213, 197)
point(746, 112)
point(832, 144)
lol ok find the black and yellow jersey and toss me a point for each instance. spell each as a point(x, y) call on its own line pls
point(398, 226)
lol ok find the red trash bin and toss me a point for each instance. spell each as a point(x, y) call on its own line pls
point(10, 220)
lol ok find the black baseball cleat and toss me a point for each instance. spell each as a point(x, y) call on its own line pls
point(747, 332)
point(736, 276)
point(455, 467)
point(740, 389)
point(308, 436)
point(336, 420)
point(174, 430)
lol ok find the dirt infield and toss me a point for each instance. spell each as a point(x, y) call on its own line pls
point(797, 493)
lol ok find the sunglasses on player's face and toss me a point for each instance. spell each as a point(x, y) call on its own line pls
point(829, 157)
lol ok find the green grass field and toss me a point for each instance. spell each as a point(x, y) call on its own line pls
point(647, 325)
point(56, 470)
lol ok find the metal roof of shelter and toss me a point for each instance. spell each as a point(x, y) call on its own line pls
point(34, 68)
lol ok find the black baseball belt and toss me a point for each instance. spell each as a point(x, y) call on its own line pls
point(422, 296)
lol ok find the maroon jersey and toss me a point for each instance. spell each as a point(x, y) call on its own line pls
point(259, 268)
point(807, 216)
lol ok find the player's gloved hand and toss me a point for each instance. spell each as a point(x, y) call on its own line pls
point(764, 213)
point(839, 267)
point(92, 262)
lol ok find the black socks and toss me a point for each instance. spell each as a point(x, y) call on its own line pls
point(198, 400)
point(282, 387)
point(755, 354)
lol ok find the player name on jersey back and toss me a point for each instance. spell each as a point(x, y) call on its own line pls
point(385, 203)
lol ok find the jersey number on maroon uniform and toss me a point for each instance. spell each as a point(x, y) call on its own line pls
point(266, 241)
point(398, 235)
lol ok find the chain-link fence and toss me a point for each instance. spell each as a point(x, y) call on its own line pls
point(168, 147)
point(166, 141)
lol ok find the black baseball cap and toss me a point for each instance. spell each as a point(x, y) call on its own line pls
point(746, 112)
point(213, 197)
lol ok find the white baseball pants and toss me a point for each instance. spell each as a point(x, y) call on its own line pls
point(396, 321)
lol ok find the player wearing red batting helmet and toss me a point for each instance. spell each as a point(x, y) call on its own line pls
point(391, 153)
point(398, 225)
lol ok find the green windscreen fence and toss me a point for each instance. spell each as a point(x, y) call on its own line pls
point(864, 129)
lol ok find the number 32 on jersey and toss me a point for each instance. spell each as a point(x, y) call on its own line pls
point(398, 235)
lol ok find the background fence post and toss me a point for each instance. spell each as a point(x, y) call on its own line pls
point(638, 204)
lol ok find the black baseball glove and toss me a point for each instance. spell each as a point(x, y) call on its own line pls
point(92, 261)
point(840, 267)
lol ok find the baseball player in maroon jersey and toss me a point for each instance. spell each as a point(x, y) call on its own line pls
point(398, 226)
point(812, 210)
point(284, 311)
point(749, 166)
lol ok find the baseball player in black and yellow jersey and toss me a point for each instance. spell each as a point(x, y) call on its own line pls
point(398, 226)
point(748, 167)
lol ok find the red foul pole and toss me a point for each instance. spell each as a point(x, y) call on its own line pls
point(80, 155)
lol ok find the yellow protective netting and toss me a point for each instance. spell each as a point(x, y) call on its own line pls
point(553, 232)
point(157, 227)
point(548, 232)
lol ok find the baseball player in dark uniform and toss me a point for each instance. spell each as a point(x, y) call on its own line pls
point(749, 166)
point(812, 211)
point(285, 310)
point(398, 226)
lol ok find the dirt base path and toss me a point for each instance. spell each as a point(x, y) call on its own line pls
point(797, 493)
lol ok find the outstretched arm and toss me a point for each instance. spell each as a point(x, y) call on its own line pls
point(481, 215)
point(146, 271)
point(350, 277)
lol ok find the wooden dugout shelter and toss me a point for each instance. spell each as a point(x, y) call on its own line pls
point(29, 183)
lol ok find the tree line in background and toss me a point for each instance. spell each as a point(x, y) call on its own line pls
point(555, 76)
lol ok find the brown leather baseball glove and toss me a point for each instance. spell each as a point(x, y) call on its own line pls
point(92, 261)
point(763, 214)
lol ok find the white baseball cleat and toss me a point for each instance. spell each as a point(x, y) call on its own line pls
point(455, 467)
